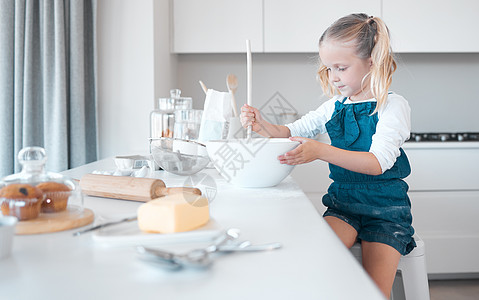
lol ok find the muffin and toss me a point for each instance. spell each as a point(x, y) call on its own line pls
point(21, 200)
point(56, 196)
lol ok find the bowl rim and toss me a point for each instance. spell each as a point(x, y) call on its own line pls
point(279, 140)
point(176, 139)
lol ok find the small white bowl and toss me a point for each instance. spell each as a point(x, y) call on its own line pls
point(7, 230)
point(251, 163)
point(124, 163)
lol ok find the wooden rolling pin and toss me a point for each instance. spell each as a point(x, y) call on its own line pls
point(129, 188)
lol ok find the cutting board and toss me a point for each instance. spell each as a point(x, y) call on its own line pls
point(72, 217)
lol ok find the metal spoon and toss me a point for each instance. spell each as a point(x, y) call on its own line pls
point(202, 259)
point(164, 259)
point(195, 258)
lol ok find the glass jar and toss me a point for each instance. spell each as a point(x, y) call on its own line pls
point(33, 192)
point(174, 102)
point(162, 124)
point(162, 118)
point(187, 124)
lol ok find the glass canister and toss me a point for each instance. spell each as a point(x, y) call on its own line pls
point(162, 118)
point(162, 123)
point(187, 124)
point(33, 192)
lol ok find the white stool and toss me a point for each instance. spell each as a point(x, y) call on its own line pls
point(412, 268)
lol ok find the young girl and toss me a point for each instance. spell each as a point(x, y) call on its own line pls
point(367, 125)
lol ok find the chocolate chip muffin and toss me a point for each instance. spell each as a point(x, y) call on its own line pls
point(21, 200)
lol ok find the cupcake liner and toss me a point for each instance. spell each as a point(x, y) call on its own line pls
point(22, 208)
point(55, 201)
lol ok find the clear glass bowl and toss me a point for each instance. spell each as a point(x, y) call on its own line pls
point(34, 191)
point(177, 156)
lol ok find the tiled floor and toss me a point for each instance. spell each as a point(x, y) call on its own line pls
point(454, 289)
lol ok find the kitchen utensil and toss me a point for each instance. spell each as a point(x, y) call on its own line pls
point(229, 235)
point(129, 219)
point(7, 228)
point(201, 258)
point(249, 83)
point(128, 188)
point(177, 156)
point(232, 84)
point(164, 259)
point(203, 86)
point(197, 257)
point(251, 163)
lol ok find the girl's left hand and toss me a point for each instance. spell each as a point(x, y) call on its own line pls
point(306, 152)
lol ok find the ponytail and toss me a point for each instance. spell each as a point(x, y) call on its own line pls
point(383, 64)
point(371, 38)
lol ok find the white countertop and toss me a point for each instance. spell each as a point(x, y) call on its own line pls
point(313, 263)
point(441, 145)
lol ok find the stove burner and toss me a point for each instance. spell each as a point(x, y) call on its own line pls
point(444, 137)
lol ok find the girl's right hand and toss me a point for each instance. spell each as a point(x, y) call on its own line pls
point(250, 116)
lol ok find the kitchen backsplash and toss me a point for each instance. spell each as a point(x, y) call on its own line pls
point(442, 89)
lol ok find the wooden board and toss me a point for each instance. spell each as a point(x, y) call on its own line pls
point(71, 218)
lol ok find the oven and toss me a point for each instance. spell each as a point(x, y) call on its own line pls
point(444, 192)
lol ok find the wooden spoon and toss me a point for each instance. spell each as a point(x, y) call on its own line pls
point(203, 86)
point(232, 84)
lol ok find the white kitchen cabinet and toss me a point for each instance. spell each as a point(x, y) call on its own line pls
point(432, 26)
point(296, 26)
point(443, 166)
point(444, 193)
point(447, 222)
point(220, 26)
point(284, 26)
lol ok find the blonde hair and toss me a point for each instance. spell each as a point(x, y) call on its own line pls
point(370, 37)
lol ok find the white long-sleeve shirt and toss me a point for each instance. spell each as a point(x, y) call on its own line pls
point(392, 130)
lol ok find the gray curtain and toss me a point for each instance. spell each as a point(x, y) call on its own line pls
point(48, 81)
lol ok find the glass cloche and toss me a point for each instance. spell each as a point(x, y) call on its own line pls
point(35, 193)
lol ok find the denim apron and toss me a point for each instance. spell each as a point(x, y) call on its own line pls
point(377, 206)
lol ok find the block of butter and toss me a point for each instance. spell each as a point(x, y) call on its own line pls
point(173, 213)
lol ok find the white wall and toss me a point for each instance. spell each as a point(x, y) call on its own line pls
point(134, 66)
point(441, 88)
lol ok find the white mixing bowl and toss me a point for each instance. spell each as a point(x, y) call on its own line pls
point(251, 164)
